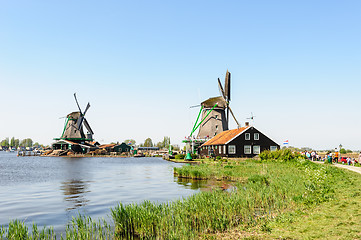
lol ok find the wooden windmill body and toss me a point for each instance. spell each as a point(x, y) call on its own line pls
point(216, 110)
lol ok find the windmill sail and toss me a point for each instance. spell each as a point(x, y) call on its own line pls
point(227, 86)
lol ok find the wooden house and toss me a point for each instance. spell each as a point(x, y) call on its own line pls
point(122, 148)
point(245, 142)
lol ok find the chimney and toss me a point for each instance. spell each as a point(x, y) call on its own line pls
point(247, 124)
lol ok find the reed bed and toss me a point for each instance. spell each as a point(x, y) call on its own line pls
point(79, 228)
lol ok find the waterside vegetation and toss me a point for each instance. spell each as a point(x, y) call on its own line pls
point(267, 197)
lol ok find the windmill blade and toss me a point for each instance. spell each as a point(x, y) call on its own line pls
point(221, 88)
point(227, 86)
point(86, 109)
point(195, 106)
point(86, 124)
point(233, 116)
point(79, 122)
point(76, 100)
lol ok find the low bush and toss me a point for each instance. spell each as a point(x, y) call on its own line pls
point(281, 155)
point(179, 156)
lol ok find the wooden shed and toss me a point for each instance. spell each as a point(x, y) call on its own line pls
point(241, 142)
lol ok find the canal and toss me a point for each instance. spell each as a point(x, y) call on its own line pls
point(49, 191)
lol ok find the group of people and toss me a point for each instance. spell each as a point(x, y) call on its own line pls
point(314, 156)
point(331, 157)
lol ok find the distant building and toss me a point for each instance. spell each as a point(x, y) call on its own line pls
point(121, 148)
point(244, 142)
point(118, 148)
point(74, 146)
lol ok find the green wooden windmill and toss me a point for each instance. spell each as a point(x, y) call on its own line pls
point(74, 126)
point(214, 114)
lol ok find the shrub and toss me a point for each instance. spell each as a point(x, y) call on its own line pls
point(179, 156)
point(282, 155)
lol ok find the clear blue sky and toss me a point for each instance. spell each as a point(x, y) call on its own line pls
point(295, 64)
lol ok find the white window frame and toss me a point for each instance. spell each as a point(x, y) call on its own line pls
point(224, 149)
point(247, 136)
point(256, 149)
point(231, 149)
point(273, 148)
point(256, 136)
point(247, 147)
point(220, 150)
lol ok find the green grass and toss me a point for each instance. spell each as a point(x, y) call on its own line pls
point(293, 199)
point(268, 189)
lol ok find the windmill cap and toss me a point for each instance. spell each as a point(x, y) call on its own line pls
point(74, 115)
point(209, 103)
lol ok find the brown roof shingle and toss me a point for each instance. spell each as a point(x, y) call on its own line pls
point(224, 137)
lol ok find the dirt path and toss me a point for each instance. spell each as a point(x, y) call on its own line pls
point(351, 168)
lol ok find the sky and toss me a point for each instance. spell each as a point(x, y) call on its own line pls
point(296, 65)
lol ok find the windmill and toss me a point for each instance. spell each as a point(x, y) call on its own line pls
point(73, 129)
point(215, 118)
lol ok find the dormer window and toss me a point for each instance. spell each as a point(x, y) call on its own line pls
point(247, 136)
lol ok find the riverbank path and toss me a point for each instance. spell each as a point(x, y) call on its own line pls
point(348, 167)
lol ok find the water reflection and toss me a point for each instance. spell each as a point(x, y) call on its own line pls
point(205, 185)
point(75, 193)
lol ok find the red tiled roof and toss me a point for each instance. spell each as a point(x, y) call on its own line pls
point(224, 137)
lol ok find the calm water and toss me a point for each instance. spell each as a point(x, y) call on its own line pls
point(50, 190)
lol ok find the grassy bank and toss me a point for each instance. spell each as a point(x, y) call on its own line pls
point(264, 191)
point(275, 196)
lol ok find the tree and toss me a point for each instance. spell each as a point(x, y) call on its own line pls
point(148, 143)
point(27, 142)
point(5, 142)
point(165, 143)
point(131, 141)
point(342, 151)
point(17, 143)
point(12, 142)
point(176, 147)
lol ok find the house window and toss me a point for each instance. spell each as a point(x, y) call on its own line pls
point(220, 149)
point(216, 126)
point(216, 116)
point(247, 149)
point(232, 149)
point(248, 136)
point(224, 149)
point(256, 136)
point(256, 149)
point(273, 148)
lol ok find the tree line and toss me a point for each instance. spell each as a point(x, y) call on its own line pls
point(149, 143)
point(15, 142)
